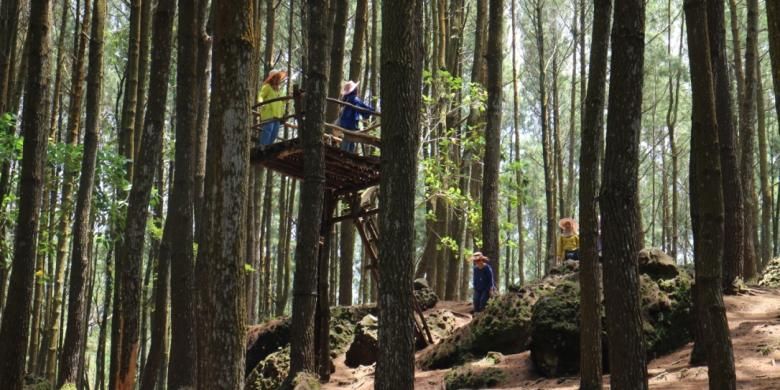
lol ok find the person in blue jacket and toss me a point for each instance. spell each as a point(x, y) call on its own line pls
point(350, 116)
point(483, 281)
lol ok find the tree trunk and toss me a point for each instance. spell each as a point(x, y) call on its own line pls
point(154, 362)
point(36, 345)
point(137, 211)
point(590, 159)
point(322, 316)
point(222, 243)
point(358, 42)
point(736, 44)
point(100, 356)
point(733, 200)
point(763, 174)
point(69, 175)
point(9, 21)
point(569, 200)
point(126, 149)
point(347, 255)
point(182, 364)
point(495, 57)
point(619, 199)
point(16, 314)
point(82, 227)
point(143, 74)
point(339, 11)
point(311, 202)
point(549, 180)
point(707, 204)
point(201, 123)
point(747, 136)
point(402, 57)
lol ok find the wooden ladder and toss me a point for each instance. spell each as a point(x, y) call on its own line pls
point(369, 233)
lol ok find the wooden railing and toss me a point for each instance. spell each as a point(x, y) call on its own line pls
point(334, 134)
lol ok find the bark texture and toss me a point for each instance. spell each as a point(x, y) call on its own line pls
point(401, 67)
point(14, 330)
point(707, 208)
point(312, 189)
point(620, 198)
point(222, 243)
point(590, 158)
point(82, 228)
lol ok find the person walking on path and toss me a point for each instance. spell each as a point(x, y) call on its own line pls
point(568, 241)
point(271, 113)
point(484, 284)
point(350, 115)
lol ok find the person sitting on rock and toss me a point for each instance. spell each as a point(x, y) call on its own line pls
point(569, 240)
point(484, 284)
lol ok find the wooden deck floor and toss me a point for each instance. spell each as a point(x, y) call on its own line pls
point(344, 172)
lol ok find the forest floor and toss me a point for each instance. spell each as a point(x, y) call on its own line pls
point(754, 320)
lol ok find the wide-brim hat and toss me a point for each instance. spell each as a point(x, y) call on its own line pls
point(279, 75)
point(349, 87)
point(574, 225)
point(478, 256)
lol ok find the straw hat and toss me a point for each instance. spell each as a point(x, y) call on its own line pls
point(348, 87)
point(275, 75)
point(478, 256)
point(574, 225)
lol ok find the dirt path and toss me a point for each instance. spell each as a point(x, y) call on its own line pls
point(754, 320)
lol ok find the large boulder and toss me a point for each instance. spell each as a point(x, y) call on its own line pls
point(265, 339)
point(365, 346)
point(471, 378)
point(771, 275)
point(504, 326)
point(656, 264)
point(270, 372)
point(440, 322)
point(666, 317)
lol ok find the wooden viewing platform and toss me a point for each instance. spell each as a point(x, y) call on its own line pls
point(345, 172)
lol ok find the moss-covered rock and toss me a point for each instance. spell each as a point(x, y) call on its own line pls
point(469, 378)
point(265, 339)
point(306, 381)
point(666, 314)
point(365, 346)
point(771, 275)
point(426, 298)
point(504, 326)
point(270, 372)
point(555, 332)
point(656, 264)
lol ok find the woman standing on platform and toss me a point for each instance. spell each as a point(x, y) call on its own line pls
point(350, 116)
point(271, 113)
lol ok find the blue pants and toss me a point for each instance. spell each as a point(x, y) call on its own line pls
point(269, 132)
point(347, 146)
point(480, 300)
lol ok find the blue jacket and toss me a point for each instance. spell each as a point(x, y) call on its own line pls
point(349, 116)
point(483, 278)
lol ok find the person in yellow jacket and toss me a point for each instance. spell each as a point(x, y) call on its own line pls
point(568, 241)
point(271, 113)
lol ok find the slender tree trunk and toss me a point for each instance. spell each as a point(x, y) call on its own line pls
point(572, 115)
point(518, 170)
point(736, 43)
point(590, 159)
point(763, 174)
point(137, 211)
point(182, 364)
point(707, 204)
point(619, 199)
point(402, 57)
point(339, 11)
point(16, 313)
point(154, 362)
point(358, 42)
point(495, 57)
point(322, 315)
point(36, 345)
point(201, 123)
point(143, 74)
point(9, 21)
point(69, 176)
point(747, 136)
point(311, 203)
point(549, 180)
point(100, 356)
point(126, 149)
point(222, 245)
point(82, 226)
point(347, 255)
